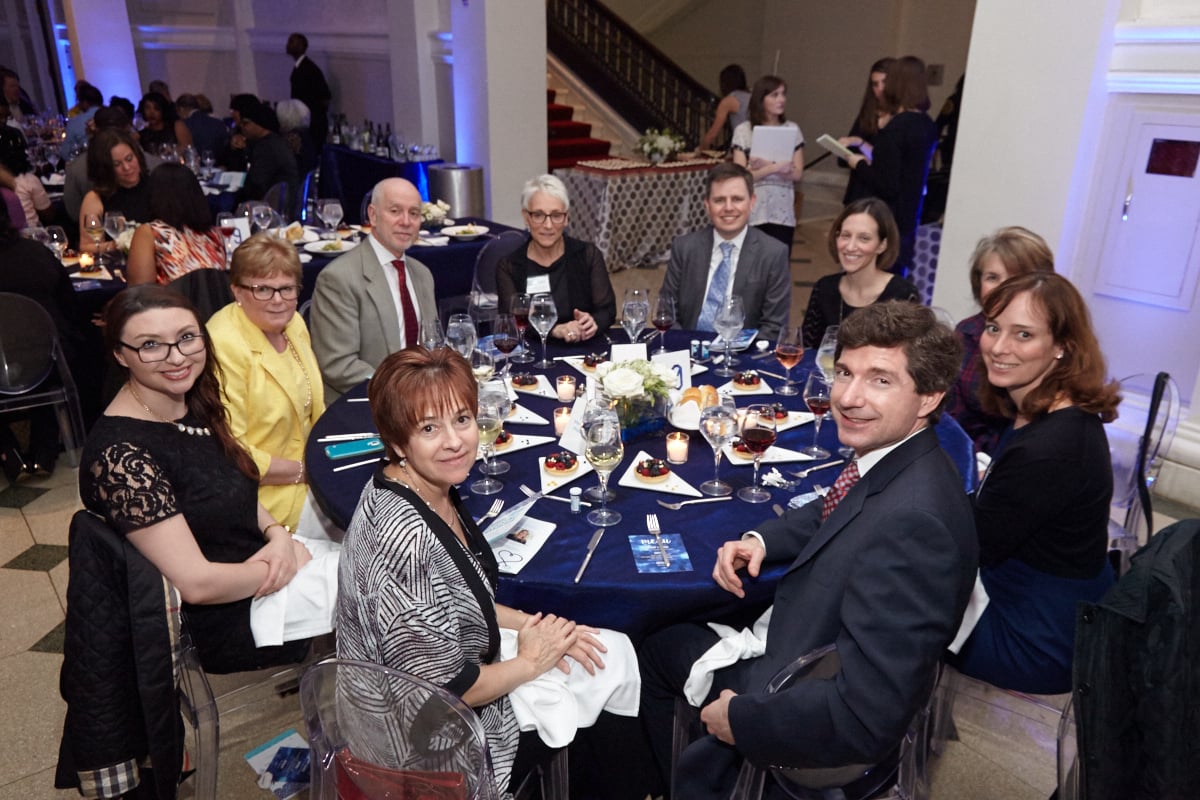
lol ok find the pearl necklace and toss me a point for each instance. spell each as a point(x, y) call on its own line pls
point(188, 429)
point(307, 381)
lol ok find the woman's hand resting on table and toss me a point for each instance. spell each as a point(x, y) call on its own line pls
point(580, 329)
point(284, 556)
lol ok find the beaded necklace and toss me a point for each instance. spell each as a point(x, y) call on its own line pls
point(304, 372)
point(188, 429)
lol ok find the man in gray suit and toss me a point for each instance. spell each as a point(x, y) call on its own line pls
point(371, 301)
point(729, 258)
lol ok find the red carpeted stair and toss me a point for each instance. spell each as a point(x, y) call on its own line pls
point(570, 141)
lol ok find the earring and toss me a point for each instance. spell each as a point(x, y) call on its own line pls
point(1058, 357)
point(402, 462)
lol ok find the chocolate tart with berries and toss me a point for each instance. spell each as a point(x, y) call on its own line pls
point(747, 381)
point(593, 360)
point(524, 381)
point(652, 470)
point(562, 463)
point(503, 441)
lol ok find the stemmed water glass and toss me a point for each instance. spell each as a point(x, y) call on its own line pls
point(789, 348)
point(758, 434)
point(816, 396)
point(505, 337)
point(431, 334)
point(826, 352)
point(604, 451)
point(261, 214)
point(663, 319)
point(728, 322)
point(114, 224)
point(487, 419)
point(718, 426)
point(520, 311)
point(597, 406)
point(634, 312)
point(56, 240)
point(495, 393)
point(543, 314)
point(330, 211)
point(461, 335)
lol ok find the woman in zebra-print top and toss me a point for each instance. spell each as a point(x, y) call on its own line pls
point(417, 579)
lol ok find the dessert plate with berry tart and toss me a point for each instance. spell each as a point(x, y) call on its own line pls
point(747, 381)
point(737, 454)
point(655, 474)
point(515, 442)
point(560, 468)
point(532, 384)
point(786, 420)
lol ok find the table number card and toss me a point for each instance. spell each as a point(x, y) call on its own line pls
point(628, 352)
point(680, 364)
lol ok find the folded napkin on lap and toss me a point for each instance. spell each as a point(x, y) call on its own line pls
point(305, 607)
point(557, 704)
point(733, 647)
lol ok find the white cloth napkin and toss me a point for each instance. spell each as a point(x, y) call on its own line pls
point(733, 647)
point(558, 704)
point(305, 607)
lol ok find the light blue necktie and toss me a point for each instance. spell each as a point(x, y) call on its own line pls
point(716, 290)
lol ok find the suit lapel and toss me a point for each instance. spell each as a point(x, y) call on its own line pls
point(380, 295)
point(745, 266)
point(695, 289)
point(251, 334)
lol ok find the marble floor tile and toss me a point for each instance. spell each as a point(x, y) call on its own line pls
point(49, 516)
point(32, 729)
point(38, 786)
point(15, 537)
point(58, 577)
point(31, 610)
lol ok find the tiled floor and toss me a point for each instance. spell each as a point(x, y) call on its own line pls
point(1005, 747)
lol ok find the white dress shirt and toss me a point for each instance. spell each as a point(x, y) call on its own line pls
point(393, 281)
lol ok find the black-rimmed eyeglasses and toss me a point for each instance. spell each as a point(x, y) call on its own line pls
point(266, 293)
point(152, 352)
point(539, 217)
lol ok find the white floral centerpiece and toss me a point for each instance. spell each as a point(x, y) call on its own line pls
point(433, 215)
point(659, 145)
point(639, 391)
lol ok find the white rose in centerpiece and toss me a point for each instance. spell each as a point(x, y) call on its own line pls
point(623, 382)
point(603, 368)
point(663, 373)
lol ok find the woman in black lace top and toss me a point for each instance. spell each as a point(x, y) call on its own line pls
point(161, 467)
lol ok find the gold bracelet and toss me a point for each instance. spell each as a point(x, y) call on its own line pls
point(276, 525)
point(299, 475)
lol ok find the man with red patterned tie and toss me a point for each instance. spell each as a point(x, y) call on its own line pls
point(369, 302)
point(883, 569)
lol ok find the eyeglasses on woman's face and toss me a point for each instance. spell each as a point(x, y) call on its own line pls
point(267, 293)
point(151, 352)
point(540, 217)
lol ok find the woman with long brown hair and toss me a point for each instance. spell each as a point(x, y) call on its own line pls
point(873, 116)
point(1041, 511)
point(774, 211)
point(163, 469)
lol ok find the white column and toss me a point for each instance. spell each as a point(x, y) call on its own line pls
point(102, 46)
point(414, 83)
point(1033, 108)
point(500, 96)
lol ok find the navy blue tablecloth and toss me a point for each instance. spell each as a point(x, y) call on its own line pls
point(349, 174)
point(612, 593)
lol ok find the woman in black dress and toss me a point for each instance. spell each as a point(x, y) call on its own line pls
point(873, 116)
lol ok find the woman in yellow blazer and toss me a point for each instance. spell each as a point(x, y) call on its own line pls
point(271, 383)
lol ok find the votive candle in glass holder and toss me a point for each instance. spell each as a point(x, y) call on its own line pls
point(677, 447)
point(562, 419)
point(566, 389)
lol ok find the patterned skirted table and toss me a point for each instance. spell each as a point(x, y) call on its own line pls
point(633, 213)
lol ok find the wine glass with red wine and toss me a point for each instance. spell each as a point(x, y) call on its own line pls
point(789, 348)
point(520, 312)
point(758, 434)
point(505, 337)
point(816, 396)
point(663, 319)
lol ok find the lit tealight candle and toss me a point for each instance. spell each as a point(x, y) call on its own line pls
point(562, 418)
point(566, 389)
point(677, 447)
point(85, 261)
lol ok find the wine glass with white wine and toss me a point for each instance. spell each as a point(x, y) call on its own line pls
point(487, 419)
point(495, 393)
point(604, 451)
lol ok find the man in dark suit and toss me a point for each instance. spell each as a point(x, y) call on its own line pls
point(371, 301)
point(309, 86)
point(884, 574)
point(209, 134)
point(729, 258)
point(270, 156)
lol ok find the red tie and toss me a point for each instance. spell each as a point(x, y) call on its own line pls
point(406, 307)
point(841, 486)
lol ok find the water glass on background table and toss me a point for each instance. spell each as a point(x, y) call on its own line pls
point(634, 312)
point(728, 322)
point(261, 214)
point(331, 212)
point(816, 396)
point(460, 334)
point(520, 312)
point(56, 240)
point(543, 314)
point(432, 336)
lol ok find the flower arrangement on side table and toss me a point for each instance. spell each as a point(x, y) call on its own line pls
point(659, 146)
point(639, 391)
point(433, 215)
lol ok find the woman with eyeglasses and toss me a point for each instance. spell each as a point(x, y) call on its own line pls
point(270, 381)
point(551, 262)
point(182, 237)
point(162, 467)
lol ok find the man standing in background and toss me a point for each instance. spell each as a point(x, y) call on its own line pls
point(309, 87)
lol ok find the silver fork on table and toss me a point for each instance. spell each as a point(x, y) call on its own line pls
point(491, 512)
point(652, 526)
point(682, 503)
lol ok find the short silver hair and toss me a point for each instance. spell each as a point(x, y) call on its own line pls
point(548, 184)
point(292, 114)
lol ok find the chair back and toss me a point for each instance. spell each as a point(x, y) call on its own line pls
point(277, 198)
point(958, 445)
point(362, 208)
point(208, 289)
point(483, 287)
point(379, 732)
point(28, 344)
point(308, 191)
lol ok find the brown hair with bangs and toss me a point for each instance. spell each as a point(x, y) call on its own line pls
point(262, 256)
point(411, 382)
point(1020, 250)
point(1080, 375)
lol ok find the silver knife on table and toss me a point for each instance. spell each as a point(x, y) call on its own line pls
point(591, 549)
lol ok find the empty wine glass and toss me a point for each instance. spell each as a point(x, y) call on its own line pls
point(718, 426)
point(487, 419)
point(728, 322)
point(604, 451)
point(543, 314)
point(520, 311)
point(431, 334)
point(634, 312)
point(495, 392)
point(816, 396)
point(663, 319)
point(758, 434)
point(460, 334)
point(789, 348)
point(56, 240)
